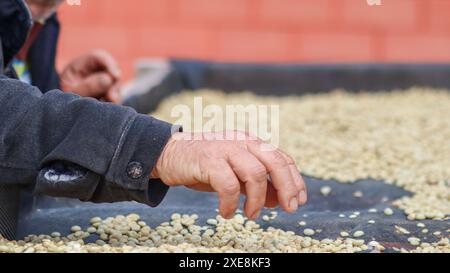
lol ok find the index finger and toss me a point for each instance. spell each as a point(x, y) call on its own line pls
point(224, 181)
point(253, 175)
point(107, 62)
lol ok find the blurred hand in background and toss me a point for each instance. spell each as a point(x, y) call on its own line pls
point(95, 75)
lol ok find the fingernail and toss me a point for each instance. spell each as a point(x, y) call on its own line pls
point(293, 204)
point(302, 197)
point(228, 216)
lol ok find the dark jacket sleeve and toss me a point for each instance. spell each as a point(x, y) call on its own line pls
point(62, 145)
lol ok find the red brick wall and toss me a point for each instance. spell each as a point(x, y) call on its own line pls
point(259, 30)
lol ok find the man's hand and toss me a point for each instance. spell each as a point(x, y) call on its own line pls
point(95, 74)
point(205, 162)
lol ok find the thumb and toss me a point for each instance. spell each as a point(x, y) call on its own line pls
point(96, 85)
point(113, 94)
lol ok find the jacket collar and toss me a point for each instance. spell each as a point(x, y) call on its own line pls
point(15, 24)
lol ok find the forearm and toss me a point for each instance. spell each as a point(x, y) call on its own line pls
point(38, 131)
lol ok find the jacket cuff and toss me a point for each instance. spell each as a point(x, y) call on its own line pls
point(154, 194)
point(71, 181)
point(109, 193)
point(135, 157)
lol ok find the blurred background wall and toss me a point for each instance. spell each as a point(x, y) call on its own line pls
point(259, 30)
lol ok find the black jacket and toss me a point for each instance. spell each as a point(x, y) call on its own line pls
point(62, 145)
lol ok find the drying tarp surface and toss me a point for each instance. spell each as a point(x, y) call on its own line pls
point(45, 215)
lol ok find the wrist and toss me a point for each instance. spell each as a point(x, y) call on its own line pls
point(167, 150)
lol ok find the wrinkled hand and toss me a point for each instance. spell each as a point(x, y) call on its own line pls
point(95, 75)
point(205, 162)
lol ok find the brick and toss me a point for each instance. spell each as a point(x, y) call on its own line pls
point(252, 46)
point(390, 16)
point(423, 48)
point(116, 41)
point(138, 12)
point(113, 13)
point(440, 16)
point(215, 12)
point(79, 15)
point(82, 39)
point(294, 13)
point(332, 47)
point(173, 42)
point(258, 30)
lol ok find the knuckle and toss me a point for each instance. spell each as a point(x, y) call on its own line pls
point(250, 169)
point(258, 172)
point(230, 188)
point(290, 160)
point(278, 159)
point(291, 188)
point(233, 150)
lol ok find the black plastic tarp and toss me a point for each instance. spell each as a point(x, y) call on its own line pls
point(45, 215)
